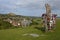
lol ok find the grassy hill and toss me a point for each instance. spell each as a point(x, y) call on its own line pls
point(17, 33)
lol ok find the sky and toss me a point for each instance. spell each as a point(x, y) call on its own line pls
point(29, 7)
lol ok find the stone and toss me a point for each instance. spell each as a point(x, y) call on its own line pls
point(34, 35)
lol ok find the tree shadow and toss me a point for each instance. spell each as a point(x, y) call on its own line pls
point(40, 28)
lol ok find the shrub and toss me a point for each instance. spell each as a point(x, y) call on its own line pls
point(5, 25)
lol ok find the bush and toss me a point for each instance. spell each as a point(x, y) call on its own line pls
point(5, 25)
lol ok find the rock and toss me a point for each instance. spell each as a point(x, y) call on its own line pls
point(34, 35)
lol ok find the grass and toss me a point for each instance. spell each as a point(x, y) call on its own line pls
point(16, 34)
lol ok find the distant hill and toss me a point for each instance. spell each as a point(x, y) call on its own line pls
point(14, 15)
point(11, 14)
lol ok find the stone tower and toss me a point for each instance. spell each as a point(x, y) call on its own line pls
point(48, 10)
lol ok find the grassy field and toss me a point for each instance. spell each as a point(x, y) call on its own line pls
point(17, 33)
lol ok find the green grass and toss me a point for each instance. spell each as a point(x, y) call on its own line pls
point(16, 34)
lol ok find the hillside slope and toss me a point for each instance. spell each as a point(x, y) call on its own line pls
point(17, 33)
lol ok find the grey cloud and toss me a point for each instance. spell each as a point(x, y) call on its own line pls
point(39, 4)
point(55, 4)
point(30, 5)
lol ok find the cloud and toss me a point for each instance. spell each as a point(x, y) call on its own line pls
point(38, 4)
point(28, 6)
point(32, 4)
